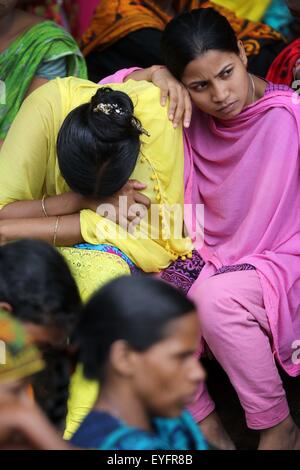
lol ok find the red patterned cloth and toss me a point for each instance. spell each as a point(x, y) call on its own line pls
point(282, 69)
point(65, 12)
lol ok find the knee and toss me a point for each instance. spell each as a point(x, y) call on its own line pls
point(213, 299)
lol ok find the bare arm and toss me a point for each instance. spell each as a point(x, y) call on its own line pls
point(180, 102)
point(28, 422)
point(72, 203)
point(64, 204)
point(66, 228)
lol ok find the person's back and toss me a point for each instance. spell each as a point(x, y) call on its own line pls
point(32, 52)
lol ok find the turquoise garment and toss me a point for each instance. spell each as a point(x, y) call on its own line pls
point(279, 17)
point(102, 431)
point(53, 69)
point(106, 248)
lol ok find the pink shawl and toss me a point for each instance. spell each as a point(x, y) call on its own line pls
point(246, 172)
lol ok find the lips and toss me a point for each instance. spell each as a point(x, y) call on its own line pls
point(228, 108)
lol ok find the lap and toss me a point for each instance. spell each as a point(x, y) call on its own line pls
point(93, 269)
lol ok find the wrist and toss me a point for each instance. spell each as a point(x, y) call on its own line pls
point(90, 203)
point(153, 69)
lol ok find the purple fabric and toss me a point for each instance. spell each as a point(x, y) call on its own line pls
point(182, 274)
point(276, 87)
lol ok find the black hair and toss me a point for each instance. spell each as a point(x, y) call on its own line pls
point(97, 152)
point(36, 281)
point(134, 309)
point(190, 35)
point(51, 386)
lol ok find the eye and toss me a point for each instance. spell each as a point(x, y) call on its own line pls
point(200, 86)
point(227, 73)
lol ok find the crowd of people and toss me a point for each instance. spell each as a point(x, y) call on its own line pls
point(188, 111)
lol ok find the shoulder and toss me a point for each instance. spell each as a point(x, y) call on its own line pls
point(141, 92)
point(25, 20)
point(65, 93)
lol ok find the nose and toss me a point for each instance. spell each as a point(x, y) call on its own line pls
point(197, 371)
point(220, 93)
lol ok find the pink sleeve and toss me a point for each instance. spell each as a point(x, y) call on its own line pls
point(119, 76)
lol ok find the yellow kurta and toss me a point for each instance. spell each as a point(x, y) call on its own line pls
point(29, 169)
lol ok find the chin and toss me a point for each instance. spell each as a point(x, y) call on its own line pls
point(228, 117)
point(173, 413)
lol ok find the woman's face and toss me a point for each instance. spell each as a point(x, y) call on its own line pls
point(12, 394)
point(14, 391)
point(167, 375)
point(218, 83)
point(6, 6)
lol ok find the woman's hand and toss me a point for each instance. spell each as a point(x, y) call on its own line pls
point(180, 102)
point(180, 108)
point(127, 205)
point(24, 425)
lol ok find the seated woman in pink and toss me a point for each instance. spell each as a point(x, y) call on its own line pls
point(242, 164)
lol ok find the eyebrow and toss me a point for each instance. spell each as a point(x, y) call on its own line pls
point(216, 76)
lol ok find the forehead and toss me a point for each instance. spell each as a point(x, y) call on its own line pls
point(46, 335)
point(181, 334)
point(209, 64)
point(13, 385)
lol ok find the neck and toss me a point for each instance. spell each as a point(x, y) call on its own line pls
point(257, 88)
point(6, 22)
point(119, 401)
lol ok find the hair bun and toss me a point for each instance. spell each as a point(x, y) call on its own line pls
point(119, 109)
point(118, 102)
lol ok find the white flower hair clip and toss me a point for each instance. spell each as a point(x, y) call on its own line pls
point(108, 109)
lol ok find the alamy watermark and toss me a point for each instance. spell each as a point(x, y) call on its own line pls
point(163, 222)
point(296, 353)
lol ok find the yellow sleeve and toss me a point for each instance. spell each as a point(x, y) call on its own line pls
point(161, 167)
point(147, 254)
point(27, 157)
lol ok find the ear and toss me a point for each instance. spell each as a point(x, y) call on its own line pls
point(5, 306)
point(243, 55)
point(122, 358)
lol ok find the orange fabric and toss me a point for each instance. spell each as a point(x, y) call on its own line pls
point(114, 19)
point(30, 392)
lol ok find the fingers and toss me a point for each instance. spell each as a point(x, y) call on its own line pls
point(134, 184)
point(142, 199)
point(173, 95)
point(180, 107)
point(137, 211)
point(179, 112)
point(187, 109)
point(164, 93)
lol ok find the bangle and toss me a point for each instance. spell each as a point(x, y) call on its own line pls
point(55, 230)
point(43, 206)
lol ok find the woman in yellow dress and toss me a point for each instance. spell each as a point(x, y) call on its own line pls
point(36, 201)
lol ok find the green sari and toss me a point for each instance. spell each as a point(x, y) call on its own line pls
point(19, 63)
